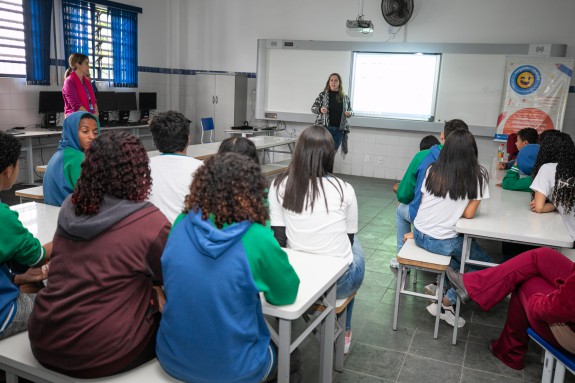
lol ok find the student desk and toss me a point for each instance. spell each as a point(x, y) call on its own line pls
point(253, 131)
point(506, 216)
point(318, 276)
point(204, 151)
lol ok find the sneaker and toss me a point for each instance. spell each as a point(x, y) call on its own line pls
point(393, 263)
point(347, 344)
point(447, 314)
point(430, 289)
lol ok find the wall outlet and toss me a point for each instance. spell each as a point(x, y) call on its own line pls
point(366, 159)
point(380, 160)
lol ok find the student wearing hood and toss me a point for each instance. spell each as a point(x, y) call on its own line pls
point(519, 176)
point(63, 170)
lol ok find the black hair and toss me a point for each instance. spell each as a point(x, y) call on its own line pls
point(428, 141)
point(457, 171)
point(559, 148)
point(312, 160)
point(545, 133)
point(240, 145)
point(528, 134)
point(170, 131)
point(10, 148)
point(452, 125)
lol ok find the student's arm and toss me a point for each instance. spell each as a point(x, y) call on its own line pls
point(47, 250)
point(512, 181)
point(271, 270)
point(72, 159)
point(16, 242)
point(406, 188)
point(538, 205)
point(471, 208)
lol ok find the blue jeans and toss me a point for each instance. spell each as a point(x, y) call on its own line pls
point(351, 280)
point(402, 223)
point(337, 135)
point(450, 247)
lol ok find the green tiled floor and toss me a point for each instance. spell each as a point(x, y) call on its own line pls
point(410, 354)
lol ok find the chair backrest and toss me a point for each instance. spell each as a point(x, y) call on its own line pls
point(207, 123)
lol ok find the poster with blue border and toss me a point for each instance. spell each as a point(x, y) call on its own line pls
point(535, 94)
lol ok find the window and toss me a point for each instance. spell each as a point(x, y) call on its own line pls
point(107, 33)
point(395, 85)
point(12, 46)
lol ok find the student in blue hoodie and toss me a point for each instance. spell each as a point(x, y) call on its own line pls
point(218, 258)
point(65, 166)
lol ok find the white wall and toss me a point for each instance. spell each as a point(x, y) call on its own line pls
point(222, 35)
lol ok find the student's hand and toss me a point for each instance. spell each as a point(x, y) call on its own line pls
point(323, 110)
point(532, 205)
point(48, 248)
point(348, 114)
point(161, 297)
point(407, 236)
point(501, 165)
point(32, 275)
point(395, 187)
point(499, 185)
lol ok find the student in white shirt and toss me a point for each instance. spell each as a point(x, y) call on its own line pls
point(172, 171)
point(313, 211)
point(554, 178)
point(453, 188)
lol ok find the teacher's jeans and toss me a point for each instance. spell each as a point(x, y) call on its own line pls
point(350, 282)
point(336, 134)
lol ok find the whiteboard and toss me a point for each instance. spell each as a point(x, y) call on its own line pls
point(470, 88)
point(291, 73)
point(296, 77)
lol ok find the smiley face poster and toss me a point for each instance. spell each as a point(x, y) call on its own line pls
point(534, 94)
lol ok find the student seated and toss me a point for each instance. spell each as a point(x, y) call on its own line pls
point(519, 176)
point(542, 287)
point(64, 168)
point(240, 145)
point(313, 211)
point(99, 313)
point(452, 189)
point(425, 144)
point(17, 244)
point(554, 178)
point(525, 136)
point(219, 257)
point(173, 170)
point(408, 193)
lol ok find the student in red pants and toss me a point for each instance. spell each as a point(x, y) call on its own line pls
point(543, 285)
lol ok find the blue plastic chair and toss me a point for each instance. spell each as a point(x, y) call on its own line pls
point(554, 359)
point(207, 125)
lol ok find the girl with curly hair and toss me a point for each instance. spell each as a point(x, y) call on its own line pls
point(63, 170)
point(99, 314)
point(313, 211)
point(219, 257)
point(554, 178)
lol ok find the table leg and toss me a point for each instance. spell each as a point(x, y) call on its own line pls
point(29, 160)
point(327, 334)
point(284, 350)
point(465, 254)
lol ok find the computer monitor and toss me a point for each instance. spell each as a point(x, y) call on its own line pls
point(147, 103)
point(50, 104)
point(126, 101)
point(106, 104)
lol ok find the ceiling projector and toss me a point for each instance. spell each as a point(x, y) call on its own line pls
point(360, 25)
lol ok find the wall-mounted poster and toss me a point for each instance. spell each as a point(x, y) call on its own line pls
point(534, 94)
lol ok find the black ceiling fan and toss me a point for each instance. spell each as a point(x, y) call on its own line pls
point(397, 12)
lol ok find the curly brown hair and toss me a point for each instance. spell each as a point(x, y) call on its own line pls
point(229, 189)
point(116, 164)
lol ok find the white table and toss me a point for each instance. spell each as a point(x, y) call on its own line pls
point(40, 219)
point(318, 275)
point(253, 132)
point(204, 151)
point(506, 216)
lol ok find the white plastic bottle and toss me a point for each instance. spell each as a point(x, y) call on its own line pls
point(501, 152)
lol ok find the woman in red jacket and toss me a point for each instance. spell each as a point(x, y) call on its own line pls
point(542, 283)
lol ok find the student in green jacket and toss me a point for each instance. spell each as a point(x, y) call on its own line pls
point(519, 176)
point(17, 247)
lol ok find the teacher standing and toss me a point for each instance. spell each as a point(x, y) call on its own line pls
point(77, 90)
point(333, 107)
